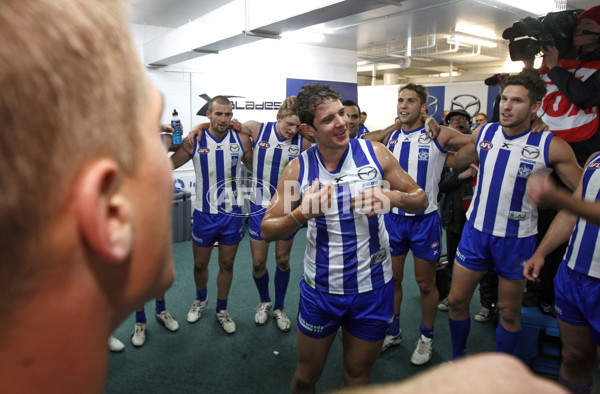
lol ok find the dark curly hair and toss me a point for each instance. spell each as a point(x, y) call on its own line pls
point(312, 95)
point(530, 81)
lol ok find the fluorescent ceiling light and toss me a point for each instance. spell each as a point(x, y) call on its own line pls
point(537, 7)
point(303, 36)
point(454, 74)
point(379, 67)
point(457, 38)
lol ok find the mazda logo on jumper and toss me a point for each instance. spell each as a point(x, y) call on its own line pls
point(234, 148)
point(240, 104)
point(432, 103)
point(294, 150)
point(367, 173)
point(424, 139)
point(468, 102)
point(530, 152)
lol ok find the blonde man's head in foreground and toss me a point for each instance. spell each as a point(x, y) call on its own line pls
point(85, 190)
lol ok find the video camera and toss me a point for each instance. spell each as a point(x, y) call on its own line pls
point(528, 35)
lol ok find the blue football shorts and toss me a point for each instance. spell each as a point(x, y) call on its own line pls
point(421, 234)
point(209, 228)
point(364, 315)
point(479, 251)
point(576, 299)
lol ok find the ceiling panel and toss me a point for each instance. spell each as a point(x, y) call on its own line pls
point(419, 28)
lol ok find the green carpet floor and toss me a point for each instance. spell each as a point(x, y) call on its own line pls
point(201, 358)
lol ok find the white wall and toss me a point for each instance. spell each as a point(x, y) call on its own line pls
point(380, 101)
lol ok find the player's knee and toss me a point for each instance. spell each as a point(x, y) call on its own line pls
point(574, 357)
point(355, 375)
point(259, 266)
point(305, 380)
point(283, 261)
point(226, 265)
point(510, 314)
point(456, 302)
point(199, 268)
point(426, 286)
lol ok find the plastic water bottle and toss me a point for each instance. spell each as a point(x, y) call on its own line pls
point(176, 124)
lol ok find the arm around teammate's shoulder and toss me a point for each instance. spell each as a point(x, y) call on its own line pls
point(183, 154)
point(404, 192)
point(381, 135)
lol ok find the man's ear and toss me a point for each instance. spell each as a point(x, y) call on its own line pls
point(535, 108)
point(104, 214)
point(307, 130)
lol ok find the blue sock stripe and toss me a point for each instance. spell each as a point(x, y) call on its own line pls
point(160, 306)
point(262, 284)
point(427, 332)
point(506, 341)
point(201, 294)
point(282, 279)
point(221, 304)
point(140, 316)
point(459, 331)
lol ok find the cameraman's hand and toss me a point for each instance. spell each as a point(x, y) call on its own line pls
point(551, 55)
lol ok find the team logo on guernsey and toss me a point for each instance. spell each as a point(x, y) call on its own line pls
point(525, 170)
point(293, 150)
point(378, 257)
point(393, 142)
point(530, 152)
point(234, 148)
point(423, 154)
point(203, 151)
point(367, 173)
point(424, 139)
point(306, 188)
point(264, 144)
point(594, 166)
point(485, 145)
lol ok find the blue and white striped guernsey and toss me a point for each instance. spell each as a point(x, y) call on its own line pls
point(423, 159)
point(583, 253)
point(216, 163)
point(346, 252)
point(500, 207)
point(271, 155)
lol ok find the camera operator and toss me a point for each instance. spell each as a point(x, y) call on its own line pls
point(570, 109)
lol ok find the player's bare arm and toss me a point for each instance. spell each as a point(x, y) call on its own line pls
point(285, 215)
point(183, 154)
point(563, 160)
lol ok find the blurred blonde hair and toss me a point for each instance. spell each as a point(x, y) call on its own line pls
point(72, 89)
